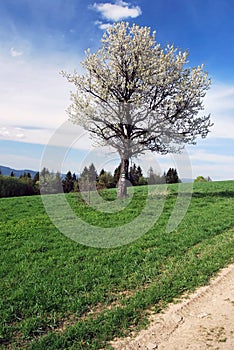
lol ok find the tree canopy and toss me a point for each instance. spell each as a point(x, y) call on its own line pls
point(137, 96)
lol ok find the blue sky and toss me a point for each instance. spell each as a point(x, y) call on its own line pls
point(40, 38)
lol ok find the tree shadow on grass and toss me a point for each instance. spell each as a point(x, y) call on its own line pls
point(221, 194)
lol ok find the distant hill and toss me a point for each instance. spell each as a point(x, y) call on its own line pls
point(6, 171)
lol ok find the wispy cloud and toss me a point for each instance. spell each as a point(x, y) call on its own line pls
point(33, 93)
point(15, 53)
point(11, 133)
point(200, 155)
point(119, 10)
point(219, 102)
point(102, 25)
point(4, 132)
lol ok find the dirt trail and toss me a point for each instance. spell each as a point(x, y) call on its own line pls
point(204, 320)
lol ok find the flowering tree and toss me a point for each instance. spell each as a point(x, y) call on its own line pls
point(138, 96)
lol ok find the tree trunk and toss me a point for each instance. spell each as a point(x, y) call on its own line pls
point(122, 183)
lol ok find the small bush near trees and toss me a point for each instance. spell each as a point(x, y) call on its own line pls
point(11, 186)
point(200, 179)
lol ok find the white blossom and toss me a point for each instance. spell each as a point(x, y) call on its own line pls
point(136, 94)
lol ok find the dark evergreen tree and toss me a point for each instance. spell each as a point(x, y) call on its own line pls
point(58, 184)
point(105, 180)
point(102, 172)
point(88, 178)
point(35, 183)
point(12, 174)
point(172, 176)
point(154, 178)
point(139, 171)
point(36, 177)
point(84, 180)
point(26, 177)
point(44, 172)
point(85, 172)
point(134, 174)
point(75, 183)
point(68, 183)
point(117, 175)
point(49, 182)
point(175, 176)
point(93, 177)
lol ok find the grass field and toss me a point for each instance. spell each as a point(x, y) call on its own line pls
point(59, 294)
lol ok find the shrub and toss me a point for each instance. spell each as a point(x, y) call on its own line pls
point(12, 187)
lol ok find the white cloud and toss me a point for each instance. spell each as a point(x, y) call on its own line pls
point(33, 94)
point(11, 133)
point(208, 157)
point(15, 53)
point(119, 10)
point(34, 99)
point(20, 161)
point(76, 137)
point(4, 132)
point(102, 25)
point(219, 102)
point(20, 136)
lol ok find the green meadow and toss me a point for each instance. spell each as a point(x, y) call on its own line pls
point(59, 294)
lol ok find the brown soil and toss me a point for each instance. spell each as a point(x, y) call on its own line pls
point(203, 320)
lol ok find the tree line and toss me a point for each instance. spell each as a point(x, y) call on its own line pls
point(12, 186)
point(89, 180)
